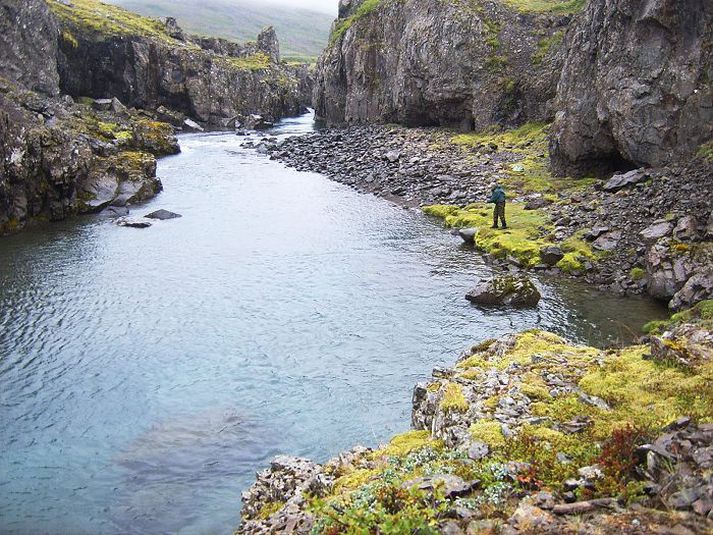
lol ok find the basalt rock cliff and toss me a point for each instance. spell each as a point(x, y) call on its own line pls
point(428, 62)
point(636, 85)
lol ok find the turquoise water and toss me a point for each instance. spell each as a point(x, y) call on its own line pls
point(146, 375)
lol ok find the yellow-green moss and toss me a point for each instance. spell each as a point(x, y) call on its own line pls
point(705, 151)
point(547, 6)
point(545, 45)
point(577, 252)
point(488, 431)
point(365, 9)
point(354, 479)
point(453, 399)
point(267, 510)
point(523, 239)
point(405, 443)
point(637, 273)
point(254, 62)
point(106, 19)
point(68, 37)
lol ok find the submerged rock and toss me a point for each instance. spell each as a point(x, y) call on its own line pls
point(516, 290)
point(163, 215)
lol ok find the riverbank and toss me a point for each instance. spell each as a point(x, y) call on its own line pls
point(645, 231)
point(526, 434)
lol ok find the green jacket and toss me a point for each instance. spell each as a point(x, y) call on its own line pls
point(498, 195)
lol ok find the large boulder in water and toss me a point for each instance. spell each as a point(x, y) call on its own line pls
point(515, 290)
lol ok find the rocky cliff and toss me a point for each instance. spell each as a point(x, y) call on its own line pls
point(636, 85)
point(108, 52)
point(429, 62)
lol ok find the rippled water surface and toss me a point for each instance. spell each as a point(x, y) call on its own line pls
point(145, 375)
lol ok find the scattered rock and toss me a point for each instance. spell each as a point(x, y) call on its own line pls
point(618, 182)
point(686, 228)
point(655, 232)
point(192, 125)
point(163, 215)
point(551, 254)
point(607, 241)
point(468, 234)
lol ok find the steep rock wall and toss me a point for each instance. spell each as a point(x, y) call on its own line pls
point(636, 85)
point(429, 62)
point(28, 45)
point(146, 64)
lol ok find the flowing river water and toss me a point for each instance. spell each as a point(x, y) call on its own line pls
point(146, 375)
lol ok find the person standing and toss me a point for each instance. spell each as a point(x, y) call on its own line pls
point(497, 196)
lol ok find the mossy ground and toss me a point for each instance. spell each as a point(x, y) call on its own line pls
point(701, 314)
point(527, 233)
point(642, 397)
point(366, 8)
point(563, 7)
point(106, 19)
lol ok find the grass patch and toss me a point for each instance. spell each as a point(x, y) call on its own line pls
point(364, 10)
point(254, 62)
point(523, 239)
point(705, 151)
point(545, 45)
point(564, 7)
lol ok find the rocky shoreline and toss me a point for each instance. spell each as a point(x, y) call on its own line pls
point(526, 434)
point(648, 230)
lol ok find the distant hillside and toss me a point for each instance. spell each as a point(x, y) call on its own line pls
point(302, 33)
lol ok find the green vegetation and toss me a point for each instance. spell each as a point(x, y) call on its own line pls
point(527, 233)
point(303, 34)
point(563, 7)
point(453, 399)
point(705, 151)
point(545, 45)
point(637, 273)
point(365, 9)
point(255, 62)
point(529, 142)
point(105, 19)
point(384, 491)
point(702, 314)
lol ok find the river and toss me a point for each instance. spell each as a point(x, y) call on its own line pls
point(146, 375)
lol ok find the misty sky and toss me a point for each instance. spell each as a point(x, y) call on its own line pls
point(326, 6)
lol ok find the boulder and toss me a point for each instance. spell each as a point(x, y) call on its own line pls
point(551, 254)
point(595, 232)
point(656, 231)
point(468, 234)
point(102, 104)
point(192, 125)
point(536, 203)
point(686, 228)
point(621, 181)
point(516, 290)
point(607, 241)
point(162, 215)
point(696, 289)
point(393, 156)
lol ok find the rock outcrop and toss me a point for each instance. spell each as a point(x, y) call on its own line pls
point(635, 87)
point(108, 52)
point(428, 62)
point(28, 45)
point(525, 434)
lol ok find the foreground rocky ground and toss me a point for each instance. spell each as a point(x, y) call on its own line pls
point(526, 434)
point(644, 230)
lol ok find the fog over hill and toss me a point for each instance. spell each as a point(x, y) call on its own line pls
point(302, 25)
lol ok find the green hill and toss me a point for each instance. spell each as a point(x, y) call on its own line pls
point(302, 33)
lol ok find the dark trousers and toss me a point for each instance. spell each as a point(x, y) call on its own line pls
point(499, 212)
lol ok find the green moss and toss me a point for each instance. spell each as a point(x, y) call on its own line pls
point(406, 443)
point(705, 151)
point(547, 6)
point(68, 37)
point(354, 479)
point(364, 10)
point(104, 19)
point(577, 251)
point(637, 273)
point(453, 399)
point(270, 508)
point(545, 45)
point(488, 431)
point(523, 239)
point(254, 62)
point(701, 313)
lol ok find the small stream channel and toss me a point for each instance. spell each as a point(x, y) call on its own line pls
point(146, 375)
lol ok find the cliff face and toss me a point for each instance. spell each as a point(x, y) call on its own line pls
point(636, 84)
point(108, 52)
point(428, 62)
point(28, 45)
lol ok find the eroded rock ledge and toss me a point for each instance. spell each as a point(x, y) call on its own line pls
point(526, 434)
